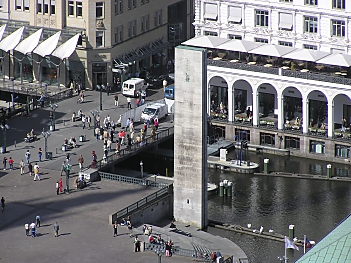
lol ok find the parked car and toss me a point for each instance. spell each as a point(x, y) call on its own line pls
point(157, 82)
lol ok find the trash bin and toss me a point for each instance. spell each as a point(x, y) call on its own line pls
point(3, 149)
point(52, 127)
point(49, 155)
point(82, 138)
point(63, 148)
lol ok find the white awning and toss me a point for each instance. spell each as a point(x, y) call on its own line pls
point(205, 41)
point(239, 45)
point(11, 41)
point(341, 60)
point(306, 55)
point(67, 48)
point(285, 21)
point(30, 43)
point(272, 50)
point(234, 14)
point(211, 11)
point(48, 46)
point(2, 30)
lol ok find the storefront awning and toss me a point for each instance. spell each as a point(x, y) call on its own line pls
point(48, 46)
point(206, 41)
point(2, 30)
point(67, 48)
point(341, 60)
point(11, 41)
point(306, 55)
point(272, 50)
point(30, 43)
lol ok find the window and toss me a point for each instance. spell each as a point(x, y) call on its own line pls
point(46, 7)
point(18, 5)
point(261, 18)
point(155, 18)
point(289, 1)
point(307, 46)
point(147, 22)
point(339, 4)
point(211, 11)
point(39, 6)
point(129, 29)
point(317, 147)
point(311, 2)
point(142, 2)
point(99, 9)
point(267, 139)
point(0, 4)
point(52, 7)
point(134, 28)
point(342, 151)
point(286, 44)
point(99, 38)
point(70, 8)
point(261, 40)
point(238, 37)
point(129, 4)
point(311, 24)
point(292, 143)
point(160, 17)
point(116, 35)
point(120, 6)
point(142, 24)
point(285, 21)
point(120, 33)
point(116, 7)
point(79, 9)
point(210, 33)
point(234, 14)
point(134, 3)
point(338, 28)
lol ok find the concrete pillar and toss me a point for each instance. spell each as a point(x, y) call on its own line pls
point(255, 108)
point(280, 112)
point(291, 232)
point(329, 171)
point(266, 166)
point(190, 152)
point(305, 114)
point(231, 103)
point(330, 119)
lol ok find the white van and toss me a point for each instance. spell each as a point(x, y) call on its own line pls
point(158, 109)
point(133, 87)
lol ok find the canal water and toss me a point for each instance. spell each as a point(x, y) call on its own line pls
point(315, 207)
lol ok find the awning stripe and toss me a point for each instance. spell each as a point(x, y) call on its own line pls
point(67, 48)
point(11, 41)
point(30, 43)
point(48, 46)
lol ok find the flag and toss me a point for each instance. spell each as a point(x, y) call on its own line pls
point(290, 244)
point(308, 243)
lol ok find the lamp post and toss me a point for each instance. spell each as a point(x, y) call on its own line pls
point(94, 113)
point(159, 254)
point(67, 168)
point(53, 107)
point(46, 135)
point(142, 169)
point(4, 128)
point(101, 98)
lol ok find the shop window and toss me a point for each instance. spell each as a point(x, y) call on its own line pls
point(317, 147)
point(267, 139)
point(342, 151)
point(292, 143)
point(241, 134)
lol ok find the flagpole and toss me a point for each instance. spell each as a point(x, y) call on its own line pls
point(285, 261)
point(304, 244)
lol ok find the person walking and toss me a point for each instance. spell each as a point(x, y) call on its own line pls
point(56, 229)
point(32, 227)
point(80, 162)
point(30, 169)
point(136, 244)
point(11, 163)
point(108, 89)
point(130, 228)
point(83, 121)
point(37, 221)
point(115, 225)
point(26, 227)
point(21, 166)
point(36, 172)
point(27, 155)
point(4, 162)
point(57, 188)
point(129, 103)
point(2, 204)
point(88, 121)
point(116, 99)
point(67, 158)
point(97, 133)
point(40, 154)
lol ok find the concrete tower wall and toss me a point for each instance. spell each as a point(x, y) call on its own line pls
point(190, 133)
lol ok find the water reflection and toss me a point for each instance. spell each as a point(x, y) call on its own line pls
point(314, 207)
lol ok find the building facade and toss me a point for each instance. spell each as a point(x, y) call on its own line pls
point(135, 34)
point(314, 24)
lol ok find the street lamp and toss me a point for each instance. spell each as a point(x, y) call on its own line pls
point(4, 128)
point(46, 135)
point(159, 252)
point(94, 113)
point(142, 169)
point(53, 107)
point(67, 169)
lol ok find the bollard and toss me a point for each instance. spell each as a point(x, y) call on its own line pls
point(291, 232)
point(63, 122)
point(230, 189)
point(329, 171)
point(166, 172)
point(221, 188)
point(266, 166)
point(56, 150)
point(15, 144)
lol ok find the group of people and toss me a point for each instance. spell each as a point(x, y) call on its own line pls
point(31, 229)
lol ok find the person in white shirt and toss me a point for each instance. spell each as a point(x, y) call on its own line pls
point(26, 227)
point(36, 172)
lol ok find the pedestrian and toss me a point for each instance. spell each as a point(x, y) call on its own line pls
point(56, 229)
point(32, 227)
point(116, 99)
point(129, 102)
point(80, 162)
point(11, 163)
point(108, 89)
point(21, 166)
point(57, 188)
point(98, 120)
point(127, 123)
point(60, 184)
point(130, 228)
point(2, 204)
point(89, 121)
point(4, 162)
point(97, 133)
point(136, 244)
point(117, 146)
point(40, 154)
point(37, 221)
point(36, 172)
point(156, 123)
point(27, 155)
point(68, 158)
point(26, 227)
point(83, 121)
point(115, 225)
point(30, 169)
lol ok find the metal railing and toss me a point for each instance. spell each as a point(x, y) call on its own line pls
point(132, 180)
point(133, 148)
point(275, 71)
point(143, 202)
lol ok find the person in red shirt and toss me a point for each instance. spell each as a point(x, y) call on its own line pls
point(11, 163)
